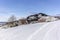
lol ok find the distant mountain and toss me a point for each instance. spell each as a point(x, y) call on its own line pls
point(57, 15)
point(2, 23)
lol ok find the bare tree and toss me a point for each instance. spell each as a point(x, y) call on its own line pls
point(12, 18)
point(11, 21)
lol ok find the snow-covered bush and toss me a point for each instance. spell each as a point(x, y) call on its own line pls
point(50, 18)
point(42, 19)
point(22, 21)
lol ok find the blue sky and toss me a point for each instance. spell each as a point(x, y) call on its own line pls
point(23, 8)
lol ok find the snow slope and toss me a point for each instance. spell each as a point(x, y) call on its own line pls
point(50, 31)
point(38, 31)
point(20, 32)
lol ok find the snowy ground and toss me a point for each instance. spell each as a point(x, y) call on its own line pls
point(38, 31)
point(20, 32)
point(49, 31)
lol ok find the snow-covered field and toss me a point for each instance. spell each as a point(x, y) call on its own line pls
point(20, 32)
point(38, 31)
point(49, 31)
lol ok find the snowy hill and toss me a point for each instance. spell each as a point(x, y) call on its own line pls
point(38, 31)
point(20, 32)
point(50, 31)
